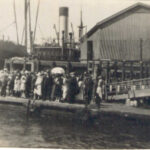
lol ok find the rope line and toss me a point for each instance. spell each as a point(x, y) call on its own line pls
point(5, 28)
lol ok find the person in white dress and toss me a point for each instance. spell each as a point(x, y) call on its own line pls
point(38, 86)
point(17, 86)
point(64, 88)
point(99, 91)
point(23, 86)
point(99, 88)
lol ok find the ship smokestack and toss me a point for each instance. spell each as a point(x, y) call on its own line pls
point(63, 23)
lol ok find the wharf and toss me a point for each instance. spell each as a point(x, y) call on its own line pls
point(107, 108)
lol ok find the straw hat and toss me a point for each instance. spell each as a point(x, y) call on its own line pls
point(38, 74)
point(99, 77)
point(5, 69)
point(17, 77)
point(72, 73)
point(26, 72)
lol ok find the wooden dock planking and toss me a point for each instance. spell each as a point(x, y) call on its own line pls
point(107, 108)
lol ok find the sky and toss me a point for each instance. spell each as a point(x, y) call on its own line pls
point(93, 12)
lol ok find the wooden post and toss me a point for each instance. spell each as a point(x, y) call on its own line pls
point(141, 49)
point(63, 45)
point(147, 70)
point(115, 71)
point(70, 47)
point(108, 70)
point(131, 70)
point(123, 70)
point(99, 68)
point(69, 67)
point(87, 59)
point(141, 69)
point(24, 64)
point(11, 66)
point(144, 67)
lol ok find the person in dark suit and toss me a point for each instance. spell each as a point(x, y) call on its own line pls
point(47, 86)
point(44, 82)
point(28, 84)
point(87, 88)
point(73, 88)
point(33, 79)
point(3, 86)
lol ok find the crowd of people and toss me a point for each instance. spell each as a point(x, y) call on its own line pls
point(53, 87)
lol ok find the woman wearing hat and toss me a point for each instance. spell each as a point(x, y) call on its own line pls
point(17, 83)
point(64, 87)
point(99, 91)
point(23, 85)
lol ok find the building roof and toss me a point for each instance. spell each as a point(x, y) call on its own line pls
point(115, 16)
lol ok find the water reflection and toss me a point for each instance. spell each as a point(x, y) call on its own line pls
point(55, 129)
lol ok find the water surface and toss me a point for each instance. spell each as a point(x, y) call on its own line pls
point(65, 130)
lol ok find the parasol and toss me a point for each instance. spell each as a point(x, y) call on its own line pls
point(57, 70)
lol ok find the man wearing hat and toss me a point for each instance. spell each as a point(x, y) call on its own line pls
point(4, 84)
point(46, 86)
point(28, 83)
point(72, 88)
point(87, 88)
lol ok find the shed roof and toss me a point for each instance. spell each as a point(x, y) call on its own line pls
point(115, 16)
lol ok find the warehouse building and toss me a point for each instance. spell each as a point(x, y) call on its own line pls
point(120, 42)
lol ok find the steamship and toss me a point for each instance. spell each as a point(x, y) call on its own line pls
point(63, 52)
point(123, 61)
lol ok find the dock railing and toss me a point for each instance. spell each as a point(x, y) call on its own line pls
point(118, 88)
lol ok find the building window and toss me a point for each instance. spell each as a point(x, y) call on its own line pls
point(90, 50)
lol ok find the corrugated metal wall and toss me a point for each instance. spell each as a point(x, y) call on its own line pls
point(121, 39)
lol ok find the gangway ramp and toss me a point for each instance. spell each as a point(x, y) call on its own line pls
point(136, 89)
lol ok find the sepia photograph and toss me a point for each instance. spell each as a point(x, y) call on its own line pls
point(75, 74)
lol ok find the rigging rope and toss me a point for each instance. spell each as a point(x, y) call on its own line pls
point(36, 20)
point(5, 28)
point(42, 35)
point(22, 38)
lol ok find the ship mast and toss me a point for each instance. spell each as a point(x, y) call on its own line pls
point(81, 27)
point(26, 22)
point(16, 22)
point(27, 17)
point(30, 30)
